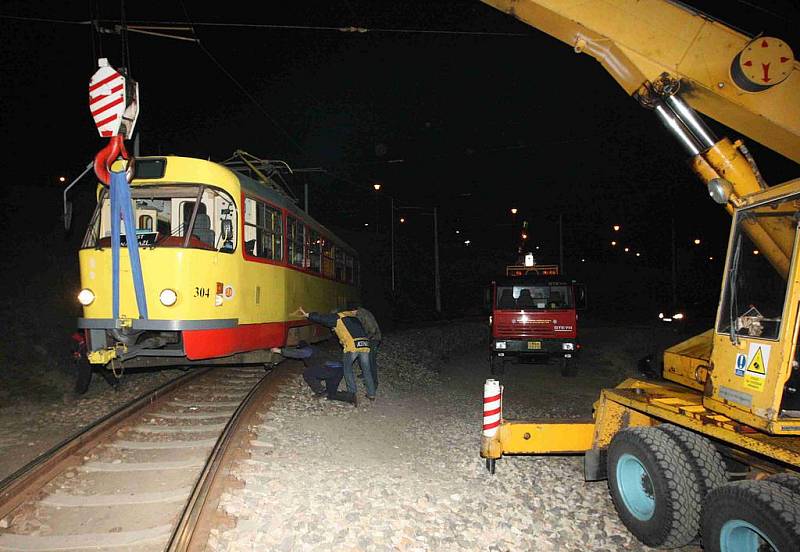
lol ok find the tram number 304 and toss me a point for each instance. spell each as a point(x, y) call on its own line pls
point(202, 292)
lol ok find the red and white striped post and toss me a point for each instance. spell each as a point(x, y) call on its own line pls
point(492, 417)
point(492, 407)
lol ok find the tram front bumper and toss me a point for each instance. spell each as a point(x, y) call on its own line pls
point(109, 338)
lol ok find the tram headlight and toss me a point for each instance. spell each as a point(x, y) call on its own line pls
point(86, 297)
point(168, 297)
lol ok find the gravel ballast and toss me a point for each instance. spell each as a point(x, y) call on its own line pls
point(404, 473)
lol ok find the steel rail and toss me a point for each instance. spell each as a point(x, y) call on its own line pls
point(191, 531)
point(31, 478)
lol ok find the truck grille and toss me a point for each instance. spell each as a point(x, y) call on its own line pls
point(503, 329)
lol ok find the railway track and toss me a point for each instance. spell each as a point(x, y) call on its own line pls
point(147, 477)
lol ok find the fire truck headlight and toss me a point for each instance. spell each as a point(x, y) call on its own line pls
point(678, 316)
point(568, 346)
point(168, 297)
point(500, 345)
point(86, 297)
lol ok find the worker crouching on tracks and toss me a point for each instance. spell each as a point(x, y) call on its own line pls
point(322, 373)
point(355, 346)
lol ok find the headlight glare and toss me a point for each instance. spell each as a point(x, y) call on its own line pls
point(568, 346)
point(168, 297)
point(500, 345)
point(678, 316)
point(86, 297)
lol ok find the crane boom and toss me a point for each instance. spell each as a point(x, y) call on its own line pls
point(637, 41)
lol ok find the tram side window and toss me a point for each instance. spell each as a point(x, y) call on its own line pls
point(296, 241)
point(263, 230)
point(348, 270)
point(314, 251)
point(327, 258)
point(339, 264)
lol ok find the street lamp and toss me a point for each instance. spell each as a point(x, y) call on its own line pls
point(616, 227)
point(697, 241)
point(376, 186)
point(402, 220)
point(513, 210)
point(62, 179)
point(613, 243)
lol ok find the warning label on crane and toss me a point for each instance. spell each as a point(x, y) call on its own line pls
point(756, 373)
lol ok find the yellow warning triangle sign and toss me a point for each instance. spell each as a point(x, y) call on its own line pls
point(757, 363)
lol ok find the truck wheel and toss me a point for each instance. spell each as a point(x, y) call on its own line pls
point(497, 366)
point(788, 480)
point(569, 369)
point(706, 462)
point(83, 375)
point(745, 516)
point(653, 487)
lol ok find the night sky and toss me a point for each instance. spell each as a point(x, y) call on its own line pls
point(492, 116)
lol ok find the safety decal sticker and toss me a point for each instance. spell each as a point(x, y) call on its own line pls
point(756, 373)
point(741, 364)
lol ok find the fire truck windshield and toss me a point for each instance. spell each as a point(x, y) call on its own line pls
point(534, 297)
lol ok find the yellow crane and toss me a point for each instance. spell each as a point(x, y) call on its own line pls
point(714, 450)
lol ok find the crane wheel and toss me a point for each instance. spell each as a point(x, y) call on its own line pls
point(788, 480)
point(751, 515)
point(653, 487)
point(705, 460)
point(497, 366)
point(568, 368)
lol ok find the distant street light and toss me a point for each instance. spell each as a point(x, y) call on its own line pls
point(62, 179)
point(711, 258)
point(755, 251)
point(376, 186)
point(616, 227)
point(697, 241)
point(513, 210)
point(613, 243)
point(402, 220)
point(627, 249)
point(583, 260)
point(366, 224)
point(638, 254)
point(458, 231)
point(467, 242)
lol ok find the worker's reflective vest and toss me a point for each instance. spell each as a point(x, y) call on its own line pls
point(347, 328)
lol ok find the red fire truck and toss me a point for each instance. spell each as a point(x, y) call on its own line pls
point(533, 317)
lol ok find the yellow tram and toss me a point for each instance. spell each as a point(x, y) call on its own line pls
point(226, 260)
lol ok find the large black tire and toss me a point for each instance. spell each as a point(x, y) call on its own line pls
point(497, 365)
point(653, 487)
point(83, 375)
point(705, 460)
point(788, 480)
point(741, 514)
point(569, 368)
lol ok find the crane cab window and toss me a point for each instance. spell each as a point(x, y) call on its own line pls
point(163, 215)
point(755, 289)
point(263, 230)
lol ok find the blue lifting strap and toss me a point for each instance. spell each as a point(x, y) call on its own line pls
point(121, 208)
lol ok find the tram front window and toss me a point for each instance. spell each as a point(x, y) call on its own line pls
point(197, 217)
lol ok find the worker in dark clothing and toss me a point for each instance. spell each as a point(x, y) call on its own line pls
point(355, 345)
point(374, 334)
point(319, 368)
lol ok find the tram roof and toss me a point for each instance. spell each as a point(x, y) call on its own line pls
point(155, 168)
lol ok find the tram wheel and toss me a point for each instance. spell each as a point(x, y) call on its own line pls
point(83, 375)
point(745, 516)
point(653, 487)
